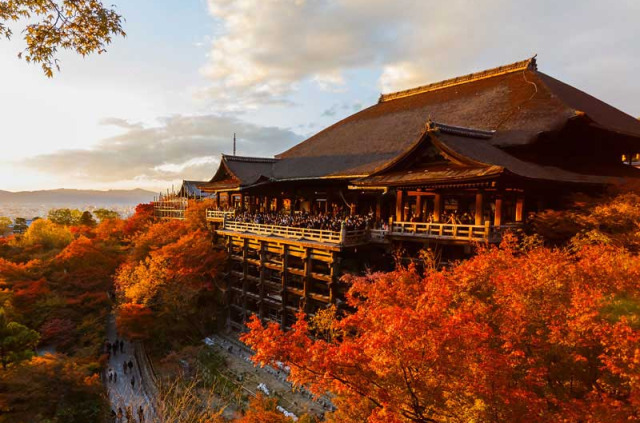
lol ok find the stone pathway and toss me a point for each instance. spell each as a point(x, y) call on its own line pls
point(122, 393)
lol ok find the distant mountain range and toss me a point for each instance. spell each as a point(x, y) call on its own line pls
point(75, 197)
point(37, 203)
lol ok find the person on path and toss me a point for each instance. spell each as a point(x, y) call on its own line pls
point(130, 365)
point(129, 414)
point(113, 415)
point(133, 382)
point(115, 377)
point(119, 414)
point(121, 346)
point(140, 414)
point(110, 375)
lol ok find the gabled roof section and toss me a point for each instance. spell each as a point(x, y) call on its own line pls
point(508, 106)
point(236, 172)
point(190, 189)
point(248, 170)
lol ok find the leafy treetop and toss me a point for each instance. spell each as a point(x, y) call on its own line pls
point(84, 26)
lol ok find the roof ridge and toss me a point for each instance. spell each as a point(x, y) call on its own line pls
point(248, 159)
point(488, 73)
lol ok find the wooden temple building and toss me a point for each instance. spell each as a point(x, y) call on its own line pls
point(450, 163)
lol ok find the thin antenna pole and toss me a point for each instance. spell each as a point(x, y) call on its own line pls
point(234, 143)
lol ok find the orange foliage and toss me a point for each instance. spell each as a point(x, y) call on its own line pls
point(196, 213)
point(539, 335)
point(133, 321)
point(263, 410)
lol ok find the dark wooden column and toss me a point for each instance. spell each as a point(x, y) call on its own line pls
point(241, 202)
point(245, 273)
point(285, 265)
point(335, 277)
point(278, 204)
point(497, 217)
point(419, 207)
point(479, 208)
point(399, 205)
point(437, 207)
point(519, 208)
point(306, 281)
point(263, 257)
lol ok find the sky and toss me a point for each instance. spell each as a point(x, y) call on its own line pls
point(162, 104)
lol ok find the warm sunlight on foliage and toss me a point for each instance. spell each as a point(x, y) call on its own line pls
point(169, 273)
point(84, 26)
point(52, 388)
point(47, 234)
point(539, 335)
point(614, 219)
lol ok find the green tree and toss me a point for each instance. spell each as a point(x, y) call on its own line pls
point(16, 341)
point(84, 26)
point(5, 223)
point(105, 214)
point(87, 219)
point(66, 217)
point(47, 234)
point(20, 225)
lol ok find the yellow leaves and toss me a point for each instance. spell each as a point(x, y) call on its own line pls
point(85, 26)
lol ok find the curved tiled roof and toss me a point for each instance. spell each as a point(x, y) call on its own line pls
point(507, 107)
point(515, 101)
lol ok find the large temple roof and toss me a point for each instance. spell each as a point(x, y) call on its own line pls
point(512, 105)
point(516, 101)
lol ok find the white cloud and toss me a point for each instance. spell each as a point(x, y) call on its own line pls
point(269, 47)
point(181, 147)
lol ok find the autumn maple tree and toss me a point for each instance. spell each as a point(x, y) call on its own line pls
point(509, 335)
point(84, 26)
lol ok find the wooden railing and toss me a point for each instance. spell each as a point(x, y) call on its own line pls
point(443, 230)
point(220, 215)
point(288, 232)
point(169, 213)
point(378, 235)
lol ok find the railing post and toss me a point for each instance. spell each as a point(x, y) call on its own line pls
point(343, 233)
point(487, 229)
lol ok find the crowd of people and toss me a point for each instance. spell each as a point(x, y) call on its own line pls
point(324, 221)
point(123, 414)
point(452, 217)
point(331, 222)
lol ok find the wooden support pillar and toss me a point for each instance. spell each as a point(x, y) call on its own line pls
point(479, 208)
point(306, 281)
point(352, 209)
point(245, 273)
point(285, 265)
point(437, 207)
point(519, 208)
point(497, 218)
point(399, 205)
point(263, 257)
point(335, 278)
point(419, 208)
point(379, 208)
point(241, 202)
point(278, 204)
